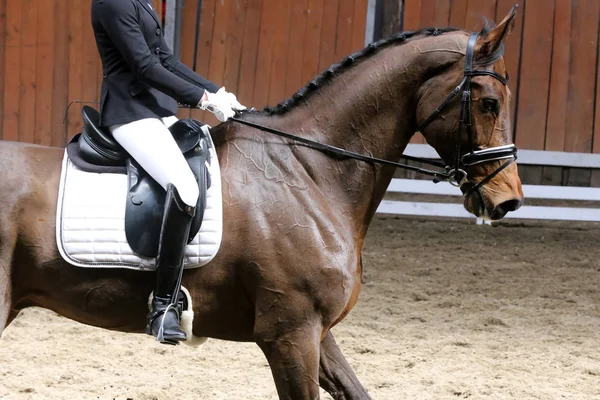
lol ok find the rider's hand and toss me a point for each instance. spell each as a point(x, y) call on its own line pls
point(233, 101)
point(218, 104)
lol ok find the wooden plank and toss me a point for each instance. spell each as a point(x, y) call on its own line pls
point(580, 97)
point(596, 135)
point(75, 27)
point(359, 24)
point(578, 177)
point(436, 13)
point(595, 179)
point(2, 52)
point(328, 34)
point(310, 63)
point(219, 42)
point(559, 79)
point(12, 71)
point(478, 11)
point(343, 44)
point(584, 46)
point(233, 49)
point(265, 57)
point(45, 70)
point(297, 35)
point(412, 15)
point(205, 39)
point(427, 18)
point(512, 55)
point(458, 14)
point(90, 62)
point(280, 48)
point(249, 53)
point(28, 71)
point(442, 13)
point(535, 75)
point(60, 78)
point(552, 176)
point(530, 175)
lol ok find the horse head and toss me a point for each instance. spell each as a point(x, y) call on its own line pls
point(470, 128)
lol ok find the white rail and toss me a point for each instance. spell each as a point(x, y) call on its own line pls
point(529, 157)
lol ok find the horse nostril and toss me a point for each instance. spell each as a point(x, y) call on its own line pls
point(509, 205)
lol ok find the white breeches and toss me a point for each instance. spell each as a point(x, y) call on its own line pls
point(150, 143)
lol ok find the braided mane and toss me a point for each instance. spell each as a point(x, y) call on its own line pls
point(327, 76)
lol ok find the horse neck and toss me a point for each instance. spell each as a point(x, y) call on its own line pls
point(368, 109)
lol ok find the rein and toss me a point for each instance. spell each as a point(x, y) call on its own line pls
point(440, 176)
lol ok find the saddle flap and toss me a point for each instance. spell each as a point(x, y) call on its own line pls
point(146, 198)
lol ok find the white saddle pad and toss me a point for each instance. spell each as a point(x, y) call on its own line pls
point(90, 220)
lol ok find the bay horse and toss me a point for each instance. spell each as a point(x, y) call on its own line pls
point(295, 218)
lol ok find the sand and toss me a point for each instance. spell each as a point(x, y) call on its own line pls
point(449, 310)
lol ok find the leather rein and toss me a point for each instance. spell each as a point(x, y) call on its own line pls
point(455, 175)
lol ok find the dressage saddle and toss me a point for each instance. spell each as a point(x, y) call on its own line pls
point(95, 150)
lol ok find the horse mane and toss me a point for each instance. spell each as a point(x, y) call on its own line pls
point(334, 70)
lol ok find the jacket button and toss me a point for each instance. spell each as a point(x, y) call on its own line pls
point(158, 32)
point(157, 50)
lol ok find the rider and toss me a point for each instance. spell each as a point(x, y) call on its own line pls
point(142, 83)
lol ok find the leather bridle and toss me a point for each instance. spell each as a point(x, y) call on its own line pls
point(458, 175)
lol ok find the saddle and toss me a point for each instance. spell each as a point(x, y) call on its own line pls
point(95, 150)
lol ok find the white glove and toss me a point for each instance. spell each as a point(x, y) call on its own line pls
point(218, 104)
point(233, 101)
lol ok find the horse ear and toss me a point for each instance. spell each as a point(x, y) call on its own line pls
point(488, 44)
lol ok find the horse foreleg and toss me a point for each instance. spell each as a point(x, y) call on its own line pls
point(336, 375)
point(293, 356)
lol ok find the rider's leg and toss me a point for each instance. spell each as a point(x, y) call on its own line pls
point(150, 143)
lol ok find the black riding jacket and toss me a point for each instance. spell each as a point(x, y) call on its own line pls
point(141, 76)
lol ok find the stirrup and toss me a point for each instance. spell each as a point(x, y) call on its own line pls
point(163, 311)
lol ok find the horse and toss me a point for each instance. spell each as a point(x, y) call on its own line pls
point(295, 218)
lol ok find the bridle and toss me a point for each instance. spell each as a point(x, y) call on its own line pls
point(455, 175)
point(458, 175)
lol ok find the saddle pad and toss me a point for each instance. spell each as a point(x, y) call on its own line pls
point(90, 220)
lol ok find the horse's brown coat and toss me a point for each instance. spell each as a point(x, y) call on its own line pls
point(295, 219)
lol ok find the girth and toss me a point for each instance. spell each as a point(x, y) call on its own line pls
point(95, 150)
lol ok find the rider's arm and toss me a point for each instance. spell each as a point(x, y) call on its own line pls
point(170, 62)
point(120, 21)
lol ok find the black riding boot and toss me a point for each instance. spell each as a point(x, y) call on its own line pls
point(163, 320)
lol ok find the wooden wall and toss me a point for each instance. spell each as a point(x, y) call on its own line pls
point(262, 50)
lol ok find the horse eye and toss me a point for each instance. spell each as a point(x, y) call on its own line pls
point(491, 105)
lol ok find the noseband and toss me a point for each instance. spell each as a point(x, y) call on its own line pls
point(457, 173)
